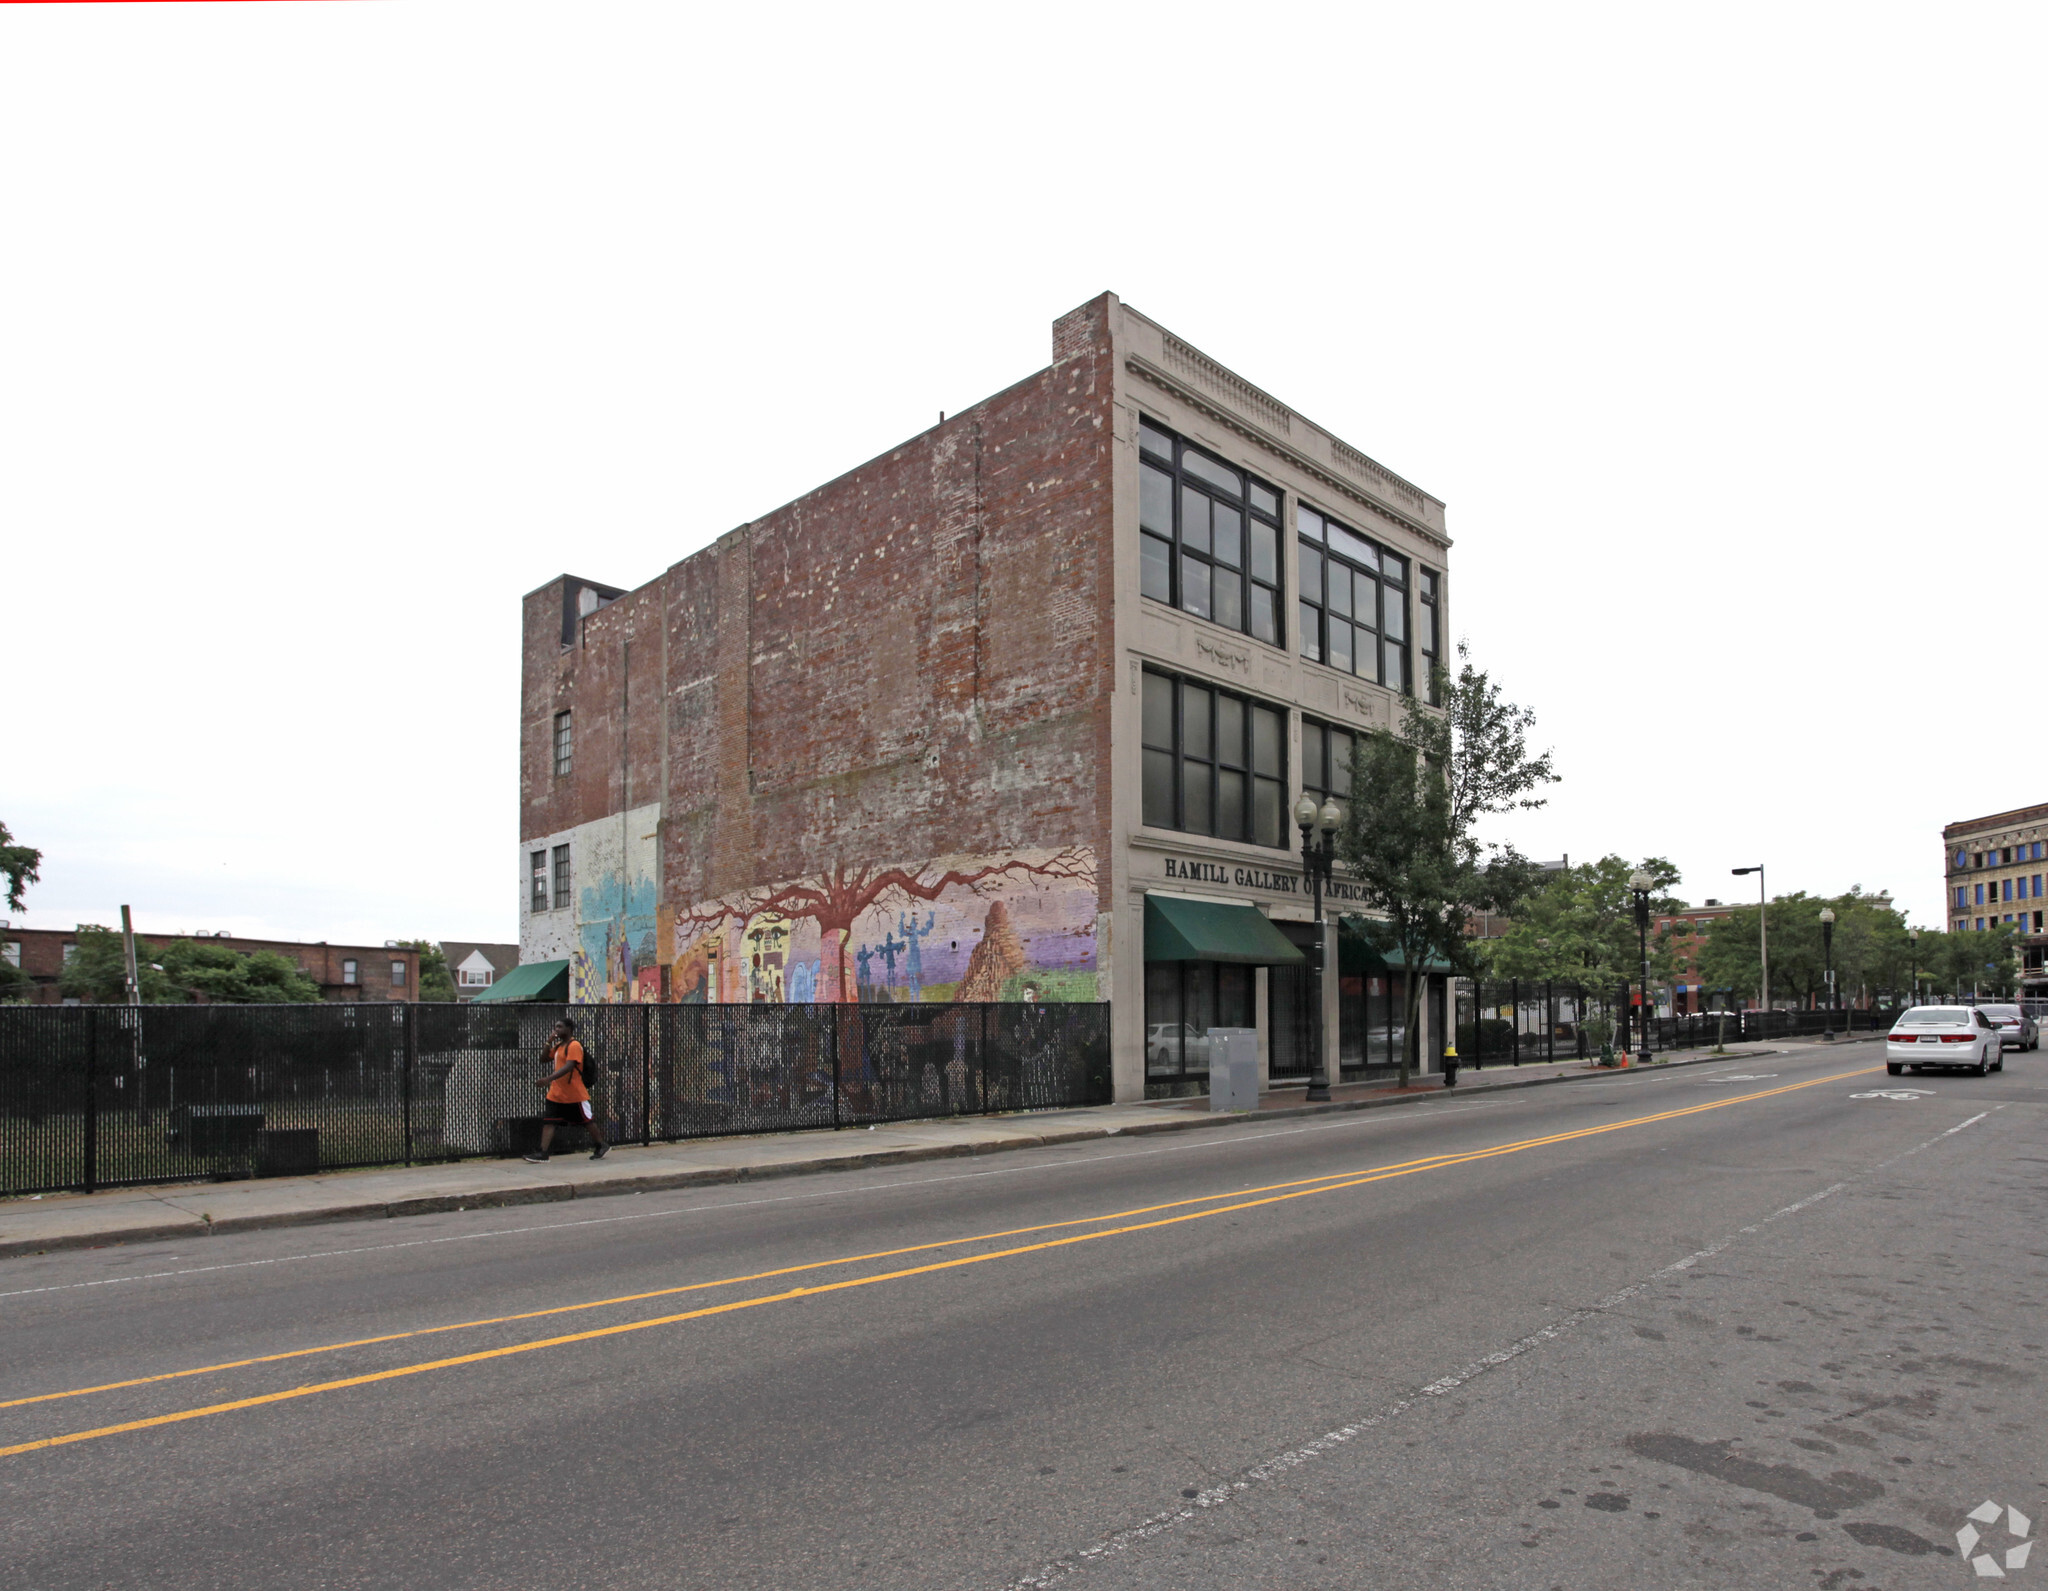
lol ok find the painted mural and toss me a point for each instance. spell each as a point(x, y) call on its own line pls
point(611, 933)
point(1019, 926)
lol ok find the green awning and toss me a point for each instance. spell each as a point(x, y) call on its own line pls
point(1201, 930)
point(539, 980)
point(1358, 956)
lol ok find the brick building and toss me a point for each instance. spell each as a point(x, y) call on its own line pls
point(1993, 872)
point(1016, 711)
point(344, 972)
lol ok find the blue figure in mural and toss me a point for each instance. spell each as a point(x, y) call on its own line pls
point(891, 949)
point(912, 934)
point(862, 957)
point(803, 983)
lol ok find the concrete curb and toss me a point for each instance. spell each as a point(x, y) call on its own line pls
point(657, 1182)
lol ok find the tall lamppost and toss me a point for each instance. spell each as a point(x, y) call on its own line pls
point(1827, 951)
point(1317, 853)
point(1913, 938)
point(1640, 883)
point(1763, 928)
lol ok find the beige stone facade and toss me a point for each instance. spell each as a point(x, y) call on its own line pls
point(1994, 869)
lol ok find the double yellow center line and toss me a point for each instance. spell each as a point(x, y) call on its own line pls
point(1244, 1199)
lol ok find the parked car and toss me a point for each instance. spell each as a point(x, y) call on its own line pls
point(1171, 1044)
point(1944, 1036)
point(2016, 1030)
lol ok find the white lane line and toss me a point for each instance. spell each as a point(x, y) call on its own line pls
point(1360, 1119)
point(1283, 1463)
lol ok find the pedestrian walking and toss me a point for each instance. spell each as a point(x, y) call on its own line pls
point(567, 1088)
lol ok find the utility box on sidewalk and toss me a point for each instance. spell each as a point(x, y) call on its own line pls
point(1233, 1069)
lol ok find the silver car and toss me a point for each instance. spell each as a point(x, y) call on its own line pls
point(2016, 1030)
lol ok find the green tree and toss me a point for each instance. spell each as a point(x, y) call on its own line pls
point(1871, 950)
point(1407, 837)
point(22, 865)
point(1985, 961)
point(1579, 926)
point(175, 972)
point(436, 981)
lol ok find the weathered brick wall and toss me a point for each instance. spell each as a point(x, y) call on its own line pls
point(914, 660)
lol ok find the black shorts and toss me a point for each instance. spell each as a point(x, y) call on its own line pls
point(559, 1111)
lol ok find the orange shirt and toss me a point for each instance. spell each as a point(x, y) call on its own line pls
point(567, 1090)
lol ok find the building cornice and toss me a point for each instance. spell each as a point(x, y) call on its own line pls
point(1262, 437)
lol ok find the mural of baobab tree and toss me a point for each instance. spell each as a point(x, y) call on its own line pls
point(1018, 926)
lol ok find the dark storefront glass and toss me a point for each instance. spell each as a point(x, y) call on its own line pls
point(1183, 1000)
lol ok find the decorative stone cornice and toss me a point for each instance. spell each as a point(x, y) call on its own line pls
point(1263, 437)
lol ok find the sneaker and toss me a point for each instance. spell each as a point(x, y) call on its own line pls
point(600, 1151)
point(539, 1160)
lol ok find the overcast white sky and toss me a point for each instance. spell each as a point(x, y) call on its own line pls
point(327, 330)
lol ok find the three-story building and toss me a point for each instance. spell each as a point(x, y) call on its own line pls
point(1017, 711)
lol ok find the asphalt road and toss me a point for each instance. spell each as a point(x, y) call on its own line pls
point(1741, 1325)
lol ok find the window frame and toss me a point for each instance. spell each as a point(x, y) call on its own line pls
point(537, 880)
point(1429, 612)
point(1312, 609)
point(350, 972)
point(564, 743)
point(1216, 762)
point(398, 978)
point(1329, 791)
point(1178, 550)
point(562, 879)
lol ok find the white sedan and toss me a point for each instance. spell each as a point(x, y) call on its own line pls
point(1944, 1035)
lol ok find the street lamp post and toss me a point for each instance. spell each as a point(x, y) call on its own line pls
point(1763, 929)
point(1317, 853)
point(1913, 938)
point(1827, 951)
point(1641, 884)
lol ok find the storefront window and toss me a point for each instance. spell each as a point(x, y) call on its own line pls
point(1183, 1000)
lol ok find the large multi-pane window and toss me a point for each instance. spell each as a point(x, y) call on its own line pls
point(561, 876)
point(1215, 763)
point(538, 890)
point(562, 743)
point(1326, 762)
point(1354, 602)
point(1209, 536)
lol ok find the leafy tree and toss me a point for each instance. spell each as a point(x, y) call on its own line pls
point(229, 977)
point(1986, 961)
point(436, 981)
point(1579, 926)
point(22, 865)
point(1407, 836)
point(1871, 950)
point(173, 973)
point(15, 985)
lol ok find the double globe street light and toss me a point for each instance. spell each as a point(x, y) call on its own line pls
point(1318, 851)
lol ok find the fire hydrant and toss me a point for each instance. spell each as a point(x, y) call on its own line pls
point(1451, 1064)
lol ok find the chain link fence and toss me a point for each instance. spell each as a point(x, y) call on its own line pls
point(101, 1096)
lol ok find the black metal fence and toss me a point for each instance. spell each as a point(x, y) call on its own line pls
point(1512, 1022)
point(98, 1096)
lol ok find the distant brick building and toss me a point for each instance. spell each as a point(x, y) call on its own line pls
point(1992, 878)
point(991, 715)
point(344, 972)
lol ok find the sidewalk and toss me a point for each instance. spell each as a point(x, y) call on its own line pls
point(50, 1222)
